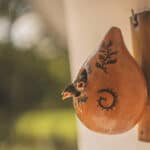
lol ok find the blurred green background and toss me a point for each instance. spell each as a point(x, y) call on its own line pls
point(34, 68)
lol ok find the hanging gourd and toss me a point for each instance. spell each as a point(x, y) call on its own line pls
point(109, 93)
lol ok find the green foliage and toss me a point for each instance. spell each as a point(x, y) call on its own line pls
point(30, 93)
point(47, 124)
point(13, 8)
point(28, 80)
point(24, 79)
point(55, 129)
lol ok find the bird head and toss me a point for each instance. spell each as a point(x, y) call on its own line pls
point(77, 87)
point(70, 91)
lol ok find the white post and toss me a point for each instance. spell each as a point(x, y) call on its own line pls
point(87, 23)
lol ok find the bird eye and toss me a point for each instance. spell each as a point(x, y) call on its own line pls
point(80, 86)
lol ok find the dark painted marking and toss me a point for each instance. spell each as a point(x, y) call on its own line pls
point(105, 56)
point(70, 88)
point(102, 98)
point(82, 99)
point(82, 77)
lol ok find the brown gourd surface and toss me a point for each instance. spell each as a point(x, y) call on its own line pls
point(115, 93)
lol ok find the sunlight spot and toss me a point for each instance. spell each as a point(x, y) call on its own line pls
point(27, 31)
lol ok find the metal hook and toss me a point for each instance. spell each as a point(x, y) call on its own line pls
point(134, 18)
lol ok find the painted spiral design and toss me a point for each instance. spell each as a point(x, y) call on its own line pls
point(103, 99)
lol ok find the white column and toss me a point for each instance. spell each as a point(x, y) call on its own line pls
point(87, 23)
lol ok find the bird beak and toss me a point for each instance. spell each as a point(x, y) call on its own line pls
point(66, 95)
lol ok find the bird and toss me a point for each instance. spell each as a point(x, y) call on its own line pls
point(75, 89)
